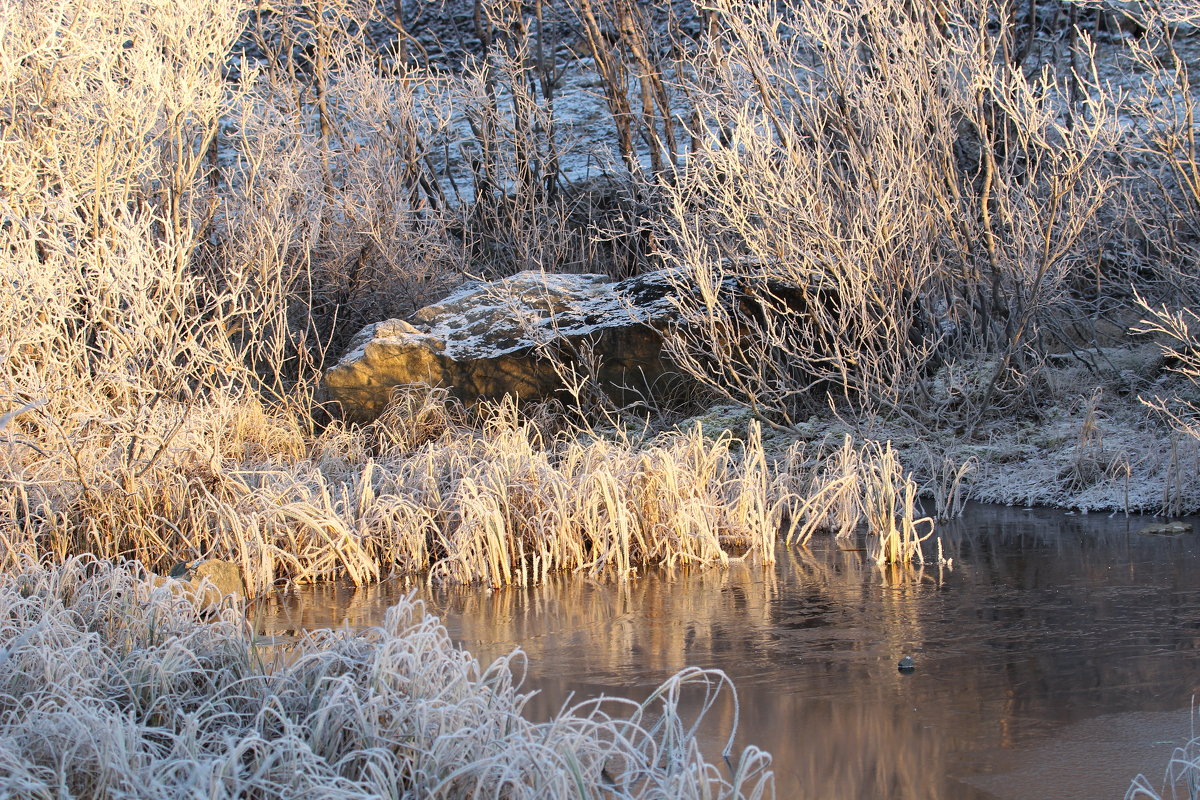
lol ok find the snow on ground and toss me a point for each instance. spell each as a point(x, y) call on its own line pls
point(1094, 446)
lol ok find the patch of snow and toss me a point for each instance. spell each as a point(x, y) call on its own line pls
point(489, 320)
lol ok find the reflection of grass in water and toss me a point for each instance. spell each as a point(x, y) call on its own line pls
point(109, 686)
point(739, 608)
point(840, 623)
point(705, 600)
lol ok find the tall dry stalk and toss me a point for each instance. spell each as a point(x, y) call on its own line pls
point(890, 508)
point(860, 488)
point(949, 483)
point(832, 499)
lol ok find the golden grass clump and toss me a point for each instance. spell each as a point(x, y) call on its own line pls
point(111, 686)
point(860, 486)
point(469, 497)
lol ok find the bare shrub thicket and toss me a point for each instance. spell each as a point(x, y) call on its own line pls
point(1179, 334)
point(875, 188)
point(331, 174)
point(1165, 155)
point(628, 52)
point(121, 351)
point(1158, 153)
point(111, 686)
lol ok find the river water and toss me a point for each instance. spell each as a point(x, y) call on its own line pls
point(1057, 656)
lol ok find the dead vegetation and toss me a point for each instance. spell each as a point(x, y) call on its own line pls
point(876, 209)
point(903, 215)
point(488, 496)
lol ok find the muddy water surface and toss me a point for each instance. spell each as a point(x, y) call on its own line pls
point(1056, 658)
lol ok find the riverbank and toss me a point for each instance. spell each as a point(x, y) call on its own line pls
point(1092, 441)
point(499, 495)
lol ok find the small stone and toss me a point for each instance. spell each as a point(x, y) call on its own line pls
point(906, 664)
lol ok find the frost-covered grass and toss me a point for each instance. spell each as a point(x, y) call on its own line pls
point(1095, 442)
point(111, 686)
point(1180, 782)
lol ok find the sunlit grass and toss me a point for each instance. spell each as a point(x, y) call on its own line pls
point(857, 488)
point(486, 496)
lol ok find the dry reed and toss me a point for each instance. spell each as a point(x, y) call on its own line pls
point(495, 501)
point(860, 486)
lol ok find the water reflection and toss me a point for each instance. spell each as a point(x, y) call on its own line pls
point(1045, 625)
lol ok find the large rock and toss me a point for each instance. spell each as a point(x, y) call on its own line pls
point(491, 339)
